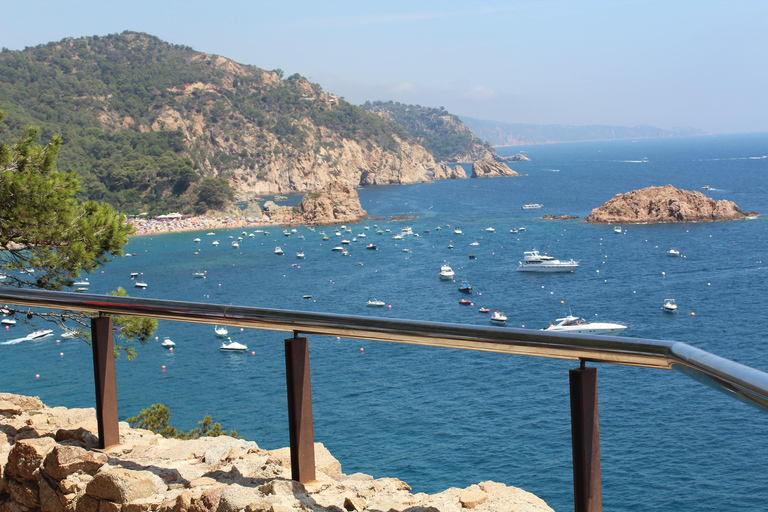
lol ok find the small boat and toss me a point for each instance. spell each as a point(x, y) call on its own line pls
point(211, 233)
point(457, 231)
point(279, 251)
point(38, 334)
point(199, 275)
point(498, 316)
point(326, 238)
point(535, 262)
point(575, 325)
point(196, 240)
point(215, 242)
point(232, 346)
point(450, 246)
point(235, 245)
point(140, 284)
point(475, 243)
point(397, 237)
point(521, 229)
point(465, 302)
point(306, 296)
point(532, 206)
point(8, 321)
point(446, 272)
point(490, 230)
point(373, 301)
point(706, 187)
point(345, 242)
point(372, 247)
point(220, 331)
point(300, 255)
point(438, 228)
point(483, 310)
point(465, 288)
point(134, 275)
point(513, 231)
point(674, 253)
point(669, 306)
point(68, 334)
point(344, 252)
point(338, 248)
point(81, 283)
point(81, 289)
point(406, 231)
point(406, 250)
point(362, 235)
point(167, 343)
point(472, 257)
point(617, 229)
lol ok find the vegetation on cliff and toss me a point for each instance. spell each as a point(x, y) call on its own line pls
point(143, 122)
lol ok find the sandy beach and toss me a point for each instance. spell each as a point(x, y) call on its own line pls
point(145, 227)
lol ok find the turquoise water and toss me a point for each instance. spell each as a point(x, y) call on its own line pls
point(436, 417)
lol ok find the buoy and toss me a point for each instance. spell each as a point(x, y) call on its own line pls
point(37, 375)
point(693, 314)
point(390, 306)
point(61, 354)
point(253, 352)
point(155, 338)
point(562, 302)
point(337, 338)
point(362, 350)
point(709, 284)
point(163, 367)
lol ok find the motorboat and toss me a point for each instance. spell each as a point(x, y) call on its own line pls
point(397, 237)
point(532, 206)
point(674, 253)
point(167, 343)
point(81, 283)
point(438, 228)
point(232, 346)
point(338, 248)
point(344, 252)
point(134, 275)
point(8, 321)
point(521, 229)
point(215, 242)
point(406, 250)
point(575, 325)
point(372, 247)
point(140, 284)
point(498, 316)
point(406, 231)
point(465, 302)
point(669, 306)
point(196, 240)
point(220, 331)
point(362, 235)
point(373, 301)
point(300, 255)
point(483, 310)
point(457, 231)
point(706, 187)
point(38, 334)
point(450, 246)
point(490, 230)
point(446, 272)
point(475, 243)
point(617, 229)
point(465, 287)
point(535, 262)
point(279, 251)
point(473, 256)
point(69, 334)
point(345, 242)
point(235, 245)
point(513, 231)
point(199, 275)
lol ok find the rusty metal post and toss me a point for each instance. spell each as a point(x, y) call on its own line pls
point(104, 376)
point(300, 409)
point(585, 439)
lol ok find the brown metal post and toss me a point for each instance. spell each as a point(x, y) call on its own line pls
point(104, 376)
point(300, 409)
point(585, 438)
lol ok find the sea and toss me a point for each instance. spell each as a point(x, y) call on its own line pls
point(440, 418)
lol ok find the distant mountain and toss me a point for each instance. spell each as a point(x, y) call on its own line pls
point(512, 134)
point(441, 133)
point(152, 126)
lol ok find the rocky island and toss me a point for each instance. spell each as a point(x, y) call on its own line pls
point(654, 205)
point(491, 169)
point(48, 463)
point(332, 204)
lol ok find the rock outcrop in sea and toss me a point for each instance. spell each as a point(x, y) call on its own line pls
point(444, 172)
point(653, 205)
point(332, 204)
point(491, 169)
point(519, 157)
point(549, 216)
point(48, 463)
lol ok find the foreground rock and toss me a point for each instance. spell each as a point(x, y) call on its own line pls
point(444, 172)
point(333, 204)
point(491, 169)
point(653, 205)
point(48, 464)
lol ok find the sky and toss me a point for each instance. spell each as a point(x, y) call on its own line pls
point(667, 63)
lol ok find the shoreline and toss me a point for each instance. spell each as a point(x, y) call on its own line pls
point(145, 227)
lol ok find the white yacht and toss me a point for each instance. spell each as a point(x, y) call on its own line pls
point(279, 251)
point(575, 325)
point(40, 333)
point(490, 230)
point(446, 272)
point(373, 301)
point(300, 255)
point(220, 331)
point(140, 284)
point(617, 229)
point(167, 343)
point(498, 316)
point(669, 306)
point(215, 242)
point(457, 231)
point(535, 262)
point(674, 253)
point(8, 321)
point(232, 346)
point(196, 240)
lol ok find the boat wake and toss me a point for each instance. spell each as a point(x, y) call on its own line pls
point(14, 341)
point(761, 157)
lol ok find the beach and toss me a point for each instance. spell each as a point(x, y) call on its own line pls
point(198, 223)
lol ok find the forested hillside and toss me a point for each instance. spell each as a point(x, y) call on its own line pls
point(443, 134)
point(151, 126)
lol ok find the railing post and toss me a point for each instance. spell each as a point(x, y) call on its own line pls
point(104, 377)
point(585, 439)
point(300, 409)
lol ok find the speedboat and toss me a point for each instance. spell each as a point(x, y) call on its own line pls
point(220, 331)
point(521, 229)
point(490, 230)
point(345, 242)
point(215, 242)
point(140, 284)
point(532, 206)
point(134, 275)
point(498, 316)
point(198, 274)
point(167, 343)
point(465, 302)
point(475, 243)
point(483, 310)
point(232, 346)
point(196, 240)
point(535, 262)
point(673, 252)
point(617, 229)
point(279, 251)
point(344, 252)
point(68, 334)
point(81, 283)
point(397, 237)
point(372, 247)
point(465, 288)
point(8, 321)
point(513, 231)
point(373, 301)
point(575, 325)
point(446, 272)
point(209, 234)
point(235, 245)
point(38, 334)
point(406, 231)
point(457, 231)
point(669, 306)
point(300, 255)
point(338, 248)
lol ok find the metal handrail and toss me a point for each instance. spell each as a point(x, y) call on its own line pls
point(739, 381)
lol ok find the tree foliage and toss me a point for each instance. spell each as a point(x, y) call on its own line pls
point(156, 418)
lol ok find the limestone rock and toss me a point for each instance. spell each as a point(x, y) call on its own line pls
point(27, 403)
point(333, 204)
point(221, 450)
point(472, 497)
point(63, 460)
point(9, 409)
point(443, 172)
point(27, 455)
point(519, 157)
point(490, 169)
point(559, 217)
point(124, 485)
point(654, 205)
point(324, 461)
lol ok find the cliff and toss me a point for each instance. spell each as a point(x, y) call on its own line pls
point(491, 170)
point(443, 172)
point(654, 205)
point(48, 464)
point(335, 203)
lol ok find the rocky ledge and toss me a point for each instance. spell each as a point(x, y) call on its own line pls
point(443, 172)
point(559, 217)
point(653, 205)
point(333, 204)
point(48, 464)
point(514, 158)
point(490, 169)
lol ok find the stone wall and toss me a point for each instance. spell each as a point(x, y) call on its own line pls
point(48, 463)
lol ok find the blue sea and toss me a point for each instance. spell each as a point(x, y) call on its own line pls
point(438, 418)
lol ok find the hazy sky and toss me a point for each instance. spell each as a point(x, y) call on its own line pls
point(666, 63)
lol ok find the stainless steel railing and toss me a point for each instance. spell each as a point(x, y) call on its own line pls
point(739, 381)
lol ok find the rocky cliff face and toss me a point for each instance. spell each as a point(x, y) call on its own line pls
point(335, 203)
point(653, 205)
point(48, 464)
point(443, 172)
point(491, 170)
